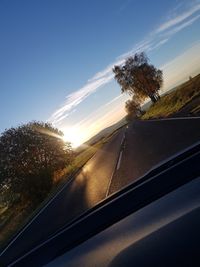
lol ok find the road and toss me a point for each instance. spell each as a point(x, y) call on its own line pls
point(129, 154)
point(147, 143)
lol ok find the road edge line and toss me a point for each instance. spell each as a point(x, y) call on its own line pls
point(115, 167)
point(171, 119)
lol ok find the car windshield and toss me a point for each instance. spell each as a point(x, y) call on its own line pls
point(94, 94)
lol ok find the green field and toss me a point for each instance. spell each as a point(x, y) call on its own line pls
point(181, 101)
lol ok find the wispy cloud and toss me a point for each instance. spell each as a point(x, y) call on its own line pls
point(156, 39)
point(75, 98)
point(179, 18)
point(182, 26)
point(113, 100)
point(159, 44)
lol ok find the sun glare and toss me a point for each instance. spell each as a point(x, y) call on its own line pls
point(73, 136)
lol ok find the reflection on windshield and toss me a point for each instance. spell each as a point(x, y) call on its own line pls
point(96, 134)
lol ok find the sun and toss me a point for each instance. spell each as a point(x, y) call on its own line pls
point(73, 136)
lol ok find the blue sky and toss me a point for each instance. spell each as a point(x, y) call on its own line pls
point(56, 56)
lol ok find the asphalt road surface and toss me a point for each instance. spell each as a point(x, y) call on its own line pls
point(147, 143)
point(130, 153)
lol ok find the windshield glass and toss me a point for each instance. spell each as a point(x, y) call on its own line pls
point(94, 94)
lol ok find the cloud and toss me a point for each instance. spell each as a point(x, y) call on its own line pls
point(155, 40)
point(159, 44)
point(113, 100)
point(182, 26)
point(75, 98)
point(178, 19)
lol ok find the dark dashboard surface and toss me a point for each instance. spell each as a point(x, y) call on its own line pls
point(164, 233)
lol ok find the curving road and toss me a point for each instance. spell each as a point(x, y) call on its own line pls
point(129, 154)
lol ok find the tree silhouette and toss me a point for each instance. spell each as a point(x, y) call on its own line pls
point(138, 77)
point(133, 108)
point(29, 155)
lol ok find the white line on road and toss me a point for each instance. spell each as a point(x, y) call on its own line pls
point(111, 177)
point(173, 119)
point(122, 139)
point(119, 161)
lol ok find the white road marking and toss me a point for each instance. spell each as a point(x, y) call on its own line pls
point(122, 139)
point(173, 119)
point(119, 161)
point(111, 177)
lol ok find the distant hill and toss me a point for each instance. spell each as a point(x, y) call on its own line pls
point(102, 134)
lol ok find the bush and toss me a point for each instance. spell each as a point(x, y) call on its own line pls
point(29, 156)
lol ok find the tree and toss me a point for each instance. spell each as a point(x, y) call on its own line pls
point(133, 108)
point(138, 77)
point(29, 155)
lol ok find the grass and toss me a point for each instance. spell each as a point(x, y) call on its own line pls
point(173, 102)
point(13, 219)
point(196, 109)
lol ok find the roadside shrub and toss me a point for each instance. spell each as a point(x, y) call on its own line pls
point(29, 156)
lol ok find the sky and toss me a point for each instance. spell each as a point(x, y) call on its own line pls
point(56, 57)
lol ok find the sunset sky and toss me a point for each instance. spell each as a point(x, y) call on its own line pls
point(56, 57)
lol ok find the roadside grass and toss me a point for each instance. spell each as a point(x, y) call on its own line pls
point(174, 101)
point(14, 219)
point(11, 220)
point(196, 109)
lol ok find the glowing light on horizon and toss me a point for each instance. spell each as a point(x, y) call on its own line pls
point(73, 135)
